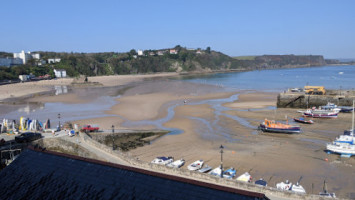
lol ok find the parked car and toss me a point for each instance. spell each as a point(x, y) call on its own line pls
point(90, 128)
point(28, 137)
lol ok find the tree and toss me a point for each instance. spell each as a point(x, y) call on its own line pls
point(208, 50)
point(133, 52)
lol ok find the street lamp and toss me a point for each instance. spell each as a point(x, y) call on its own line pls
point(59, 121)
point(113, 140)
point(221, 148)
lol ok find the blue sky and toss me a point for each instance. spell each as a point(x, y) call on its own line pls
point(249, 27)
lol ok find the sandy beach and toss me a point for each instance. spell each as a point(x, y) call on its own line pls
point(274, 157)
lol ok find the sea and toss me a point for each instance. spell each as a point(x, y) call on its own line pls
point(331, 77)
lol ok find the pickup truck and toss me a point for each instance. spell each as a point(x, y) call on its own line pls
point(89, 128)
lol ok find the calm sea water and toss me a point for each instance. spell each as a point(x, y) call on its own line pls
point(332, 77)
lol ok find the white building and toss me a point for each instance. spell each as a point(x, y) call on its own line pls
point(140, 52)
point(60, 73)
point(54, 60)
point(26, 56)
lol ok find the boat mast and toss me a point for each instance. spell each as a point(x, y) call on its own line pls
point(352, 125)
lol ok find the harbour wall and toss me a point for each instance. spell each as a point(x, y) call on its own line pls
point(134, 162)
point(301, 100)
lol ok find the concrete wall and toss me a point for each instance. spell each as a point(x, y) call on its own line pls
point(269, 191)
point(340, 98)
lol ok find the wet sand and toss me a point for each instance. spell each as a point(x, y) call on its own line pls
point(275, 157)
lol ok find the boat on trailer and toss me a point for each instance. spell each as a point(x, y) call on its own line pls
point(216, 171)
point(303, 120)
point(278, 127)
point(205, 169)
point(162, 160)
point(261, 182)
point(229, 173)
point(176, 164)
point(246, 177)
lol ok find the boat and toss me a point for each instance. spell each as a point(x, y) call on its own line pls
point(205, 169)
point(316, 113)
point(261, 182)
point(325, 192)
point(344, 144)
point(246, 177)
point(162, 160)
point(277, 127)
point(176, 164)
point(346, 109)
point(303, 120)
point(284, 185)
point(216, 171)
point(229, 173)
point(297, 187)
point(331, 107)
point(195, 165)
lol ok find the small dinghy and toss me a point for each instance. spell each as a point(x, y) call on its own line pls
point(162, 160)
point(229, 173)
point(176, 164)
point(325, 192)
point(216, 171)
point(246, 177)
point(205, 169)
point(284, 185)
point(298, 188)
point(195, 165)
point(303, 120)
point(261, 182)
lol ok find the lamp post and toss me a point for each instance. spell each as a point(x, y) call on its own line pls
point(221, 148)
point(59, 121)
point(113, 140)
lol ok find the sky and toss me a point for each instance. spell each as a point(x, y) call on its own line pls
point(235, 27)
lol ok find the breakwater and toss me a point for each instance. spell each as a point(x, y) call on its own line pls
point(289, 99)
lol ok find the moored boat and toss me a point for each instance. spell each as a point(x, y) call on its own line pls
point(298, 188)
point(177, 163)
point(284, 185)
point(320, 114)
point(261, 182)
point(303, 120)
point(162, 160)
point(325, 192)
point(216, 171)
point(229, 173)
point(277, 127)
point(246, 177)
point(205, 169)
point(195, 165)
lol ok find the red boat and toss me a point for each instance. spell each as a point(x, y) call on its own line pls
point(303, 120)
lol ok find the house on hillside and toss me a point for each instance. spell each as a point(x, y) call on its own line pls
point(53, 60)
point(173, 51)
point(140, 52)
point(26, 56)
point(60, 73)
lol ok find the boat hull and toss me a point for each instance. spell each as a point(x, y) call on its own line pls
point(303, 121)
point(292, 130)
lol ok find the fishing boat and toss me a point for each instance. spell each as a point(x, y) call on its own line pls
point(176, 163)
point(261, 182)
point(325, 192)
point(277, 127)
point(162, 160)
point(205, 169)
point(229, 173)
point(331, 107)
point(246, 177)
point(284, 185)
point(346, 109)
point(316, 113)
point(195, 165)
point(303, 120)
point(216, 171)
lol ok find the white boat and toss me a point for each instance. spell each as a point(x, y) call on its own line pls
point(284, 185)
point(205, 169)
point(195, 165)
point(176, 163)
point(246, 177)
point(316, 113)
point(325, 192)
point(216, 171)
point(331, 107)
point(298, 188)
point(162, 160)
point(344, 144)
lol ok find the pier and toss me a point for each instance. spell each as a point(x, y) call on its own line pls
point(289, 99)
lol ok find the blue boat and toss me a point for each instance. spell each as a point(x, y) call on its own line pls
point(229, 173)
